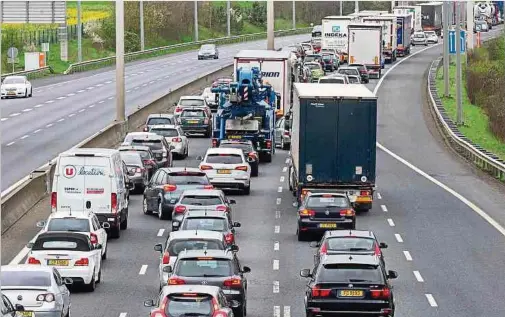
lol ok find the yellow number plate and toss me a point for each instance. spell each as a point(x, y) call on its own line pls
point(234, 137)
point(25, 314)
point(57, 262)
point(223, 171)
point(192, 121)
point(327, 225)
point(351, 293)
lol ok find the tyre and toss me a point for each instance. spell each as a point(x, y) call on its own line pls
point(284, 145)
point(31, 92)
point(92, 285)
point(26, 93)
point(161, 214)
point(241, 312)
point(124, 224)
point(254, 170)
point(99, 279)
point(247, 190)
point(302, 236)
point(104, 255)
point(145, 208)
point(115, 232)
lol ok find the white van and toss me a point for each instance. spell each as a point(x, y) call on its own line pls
point(92, 180)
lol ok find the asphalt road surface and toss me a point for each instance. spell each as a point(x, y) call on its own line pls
point(449, 258)
point(62, 114)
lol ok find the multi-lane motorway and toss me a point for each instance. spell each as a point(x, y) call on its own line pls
point(449, 258)
point(62, 114)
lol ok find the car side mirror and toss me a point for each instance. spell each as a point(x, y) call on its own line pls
point(237, 224)
point(29, 245)
point(105, 225)
point(383, 245)
point(199, 158)
point(234, 304)
point(392, 275)
point(232, 201)
point(149, 303)
point(249, 159)
point(18, 307)
point(41, 224)
point(158, 247)
point(305, 273)
point(246, 269)
point(314, 244)
point(167, 269)
point(68, 281)
point(233, 248)
point(98, 246)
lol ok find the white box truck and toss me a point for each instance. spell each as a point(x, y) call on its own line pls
point(388, 23)
point(365, 46)
point(276, 69)
point(335, 34)
point(414, 11)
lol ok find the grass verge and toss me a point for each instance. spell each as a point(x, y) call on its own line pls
point(476, 126)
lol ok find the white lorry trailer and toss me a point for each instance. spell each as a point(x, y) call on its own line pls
point(335, 34)
point(365, 46)
point(415, 12)
point(276, 69)
point(388, 23)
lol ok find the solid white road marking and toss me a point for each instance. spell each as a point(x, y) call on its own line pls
point(37, 131)
point(418, 276)
point(282, 179)
point(71, 115)
point(39, 105)
point(431, 300)
point(276, 246)
point(407, 255)
point(277, 311)
point(15, 114)
point(160, 232)
point(287, 311)
point(379, 196)
point(277, 214)
point(275, 265)
point(4, 119)
point(143, 269)
point(277, 229)
point(398, 238)
point(27, 110)
point(276, 287)
point(279, 200)
point(279, 190)
point(25, 136)
point(391, 223)
point(284, 169)
point(11, 143)
point(384, 208)
point(49, 125)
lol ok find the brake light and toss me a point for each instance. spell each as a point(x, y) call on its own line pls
point(169, 188)
point(380, 293)
point(205, 167)
point(178, 109)
point(320, 292)
point(347, 212)
point(82, 262)
point(206, 121)
point(54, 200)
point(113, 203)
point(222, 208)
point(176, 140)
point(49, 297)
point(93, 238)
point(252, 154)
point(176, 281)
point(233, 282)
point(269, 144)
point(241, 168)
point(307, 213)
point(364, 193)
point(219, 314)
point(166, 258)
point(158, 313)
point(208, 187)
point(149, 162)
point(286, 133)
point(229, 238)
point(32, 260)
point(214, 142)
point(324, 249)
point(139, 170)
point(377, 250)
point(179, 209)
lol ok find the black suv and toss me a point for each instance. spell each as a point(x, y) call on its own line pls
point(212, 267)
point(349, 284)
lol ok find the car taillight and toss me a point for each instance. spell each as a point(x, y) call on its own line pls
point(347, 212)
point(139, 170)
point(149, 162)
point(286, 133)
point(32, 260)
point(176, 140)
point(232, 282)
point(113, 203)
point(222, 208)
point(229, 238)
point(94, 238)
point(208, 187)
point(54, 201)
point(380, 293)
point(179, 209)
point(158, 313)
point(307, 213)
point(82, 262)
point(377, 250)
point(252, 154)
point(324, 249)
point(219, 314)
point(178, 109)
point(169, 188)
point(364, 193)
point(166, 258)
point(176, 281)
point(241, 168)
point(49, 298)
point(214, 142)
point(205, 167)
point(269, 144)
point(206, 121)
point(320, 292)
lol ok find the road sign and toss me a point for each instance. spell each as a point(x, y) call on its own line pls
point(452, 41)
point(45, 47)
point(12, 52)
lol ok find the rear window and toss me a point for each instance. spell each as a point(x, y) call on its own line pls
point(418, 35)
point(131, 158)
point(176, 246)
point(165, 132)
point(354, 80)
point(69, 224)
point(224, 159)
point(26, 278)
point(349, 273)
point(333, 201)
point(201, 200)
point(60, 243)
point(204, 267)
point(348, 71)
point(188, 178)
point(242, 146)
point(191, 102)
point(154, 145)
point(327, 57)
point(350, 244)
point(143, 154)
point(193, 113)
point(159, 121)
point(191, 304)
point(211, 224)
point(332, 81)
point(312, 66)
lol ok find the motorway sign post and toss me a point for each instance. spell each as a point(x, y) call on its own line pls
point(12, 53)
point(452, 41)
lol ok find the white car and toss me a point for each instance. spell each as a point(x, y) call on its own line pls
point(419, 38)
point(84, 222)
point(175, 137)
point(227, 168)
point(431, 36)
point(212, 98)
point(71, 253)
point(191, 101)
point(16, 86)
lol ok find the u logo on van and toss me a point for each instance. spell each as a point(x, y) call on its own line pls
point(69, 171)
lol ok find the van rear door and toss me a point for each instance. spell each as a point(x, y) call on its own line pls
point(98, 184)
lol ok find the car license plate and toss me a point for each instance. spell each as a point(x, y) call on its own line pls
point(223, 171)
point(11, 93)
point(57, 262)
point(351, 293)
point(25, 314)
point(192, 121)
point(234, 137)
point(327, 225)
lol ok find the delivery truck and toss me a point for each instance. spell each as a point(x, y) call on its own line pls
point(333, 139)
point(403, 32)
point(388, 23)
point(276, 70)
point(335, 34)
point(415, 12)
point(365, 46)
point(431, 13)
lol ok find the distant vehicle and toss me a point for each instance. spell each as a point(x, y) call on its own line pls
point(158, 119)
point(189, 102)
point(137, 172)
point(202, 199)
point(158, 145)
point(353, 79)
point(431, 36)
point(211, 98)
point(331, 62)
point(208, 51)
point(419, 38)
point(16, 86)
point(316, 71)
point(333, 80)
point(480, 26)
point(308, 48)
point(175, 137)
point(146, 154)
point(309, 58)
point(363, 72)
point(195, 120)
point(349, 70)
point(283, 133)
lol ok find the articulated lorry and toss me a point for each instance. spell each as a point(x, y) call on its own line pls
point(415, 12)
point(365, 46)
point(335, 34)
point(403, 32)
point(333, 135)
point(431, 13)
point(388, 23)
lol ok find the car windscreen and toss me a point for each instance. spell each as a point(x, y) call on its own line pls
point(204, 267)
point(131, 158)
point(193, 113)
point(154, 145)
point(332, 201)
point(211, 224)
point(61, 243)
point(350, 244)
point(191, 102)
point(165, 132)
point(14, 80)
point(159, 121)
point(177, 246)
point(224, 159)
point(348, 71)
point(349, 273)
point(25, 278)
point(68, 224)
point(354, 80)
point(188, 178)
point(197, 200)
point(189, 305)
point(242, 146)
point(332, 81)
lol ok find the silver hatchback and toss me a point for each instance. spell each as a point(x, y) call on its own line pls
point(283, 133)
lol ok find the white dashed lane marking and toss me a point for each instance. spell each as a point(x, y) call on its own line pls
point(407, 255)
point(4, 119)
point(275, 265)
point(431, 300)
point(384, 208)
point(276, 287)
point(91, 106)
point(277, 214)
point(284, 169)
point(70, 94)
point(71, 115)
point(277, 311)
point(160, 232)
point(15, 114)
point(61, 120)
point(276, 246)
point(287, 311)
point(390, 222)
point(279, 200)
point(123, 315)
point(418, 276)
point(49, 125)
point(101, 101)
point(379, 196)
point(110, 98)
point(37, 131)
point(60, 98)
point(79, 91)
point(277, 229)
point(25, 136)
point(38, 106)
point(281, 179)
point(27, 110)
point(49, 101)
point(398, 238)
point(11, 143)
point(279, 189)
point(143, 269)
point(82, 110)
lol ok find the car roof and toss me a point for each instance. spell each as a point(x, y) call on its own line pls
point(61, 234)
point(164, 126)
point(224, 150)
point(26, 267)
point(84, 214)
point(134, 147)
point(135, 134)
point(348, 233)
point(190, 108)
point(15, 77)
point(150, 136)
point(101, 152)
point(191, 98)
point(160, 115)
point(365, 259)
point(205, 213)
point(188, 234)
point(203, 192)
point(181, 169)
point(206, 289)
point(226, 254)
